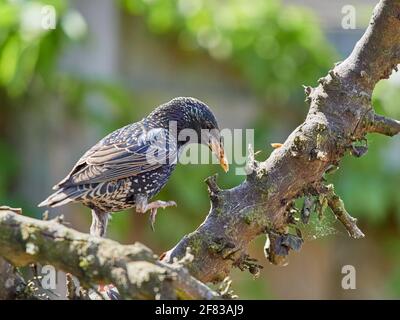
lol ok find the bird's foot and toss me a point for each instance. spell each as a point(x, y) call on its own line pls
point(153, 211)
point(142, 207)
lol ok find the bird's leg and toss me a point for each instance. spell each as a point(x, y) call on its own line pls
point(142, 206)
point(98, 229)
point(99, 223)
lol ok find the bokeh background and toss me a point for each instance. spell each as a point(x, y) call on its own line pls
point(108, 63)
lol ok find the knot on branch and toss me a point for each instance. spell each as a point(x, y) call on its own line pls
point(331, 79)
point(214, 190)
point(308, 92)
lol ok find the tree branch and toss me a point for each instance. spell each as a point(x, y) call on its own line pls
point(337, 206)
point(134, 269)
point(340, 114)
point(386, 126)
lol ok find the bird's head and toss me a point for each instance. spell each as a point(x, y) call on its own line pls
point(192, 115)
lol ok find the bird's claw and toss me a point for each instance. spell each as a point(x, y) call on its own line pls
point(152, 218)
point(153, 212)
point(169, 204)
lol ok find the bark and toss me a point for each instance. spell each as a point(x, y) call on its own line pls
point(12, 285)
point(339, 117)
point(134, 269)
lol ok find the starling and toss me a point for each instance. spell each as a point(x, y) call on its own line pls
point(132, 164)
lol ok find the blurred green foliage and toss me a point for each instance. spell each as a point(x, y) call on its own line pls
point(251, 36)
point(27, 49)
point(31, 75)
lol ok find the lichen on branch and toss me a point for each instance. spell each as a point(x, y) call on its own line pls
point(133, 269)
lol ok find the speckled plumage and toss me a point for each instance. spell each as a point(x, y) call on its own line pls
point(117, 171)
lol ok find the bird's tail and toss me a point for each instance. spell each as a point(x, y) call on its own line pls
point(61, 197)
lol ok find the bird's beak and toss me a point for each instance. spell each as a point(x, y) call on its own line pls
point(218, 150)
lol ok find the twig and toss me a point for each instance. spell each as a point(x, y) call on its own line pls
point(337, 206)
point(383, 125)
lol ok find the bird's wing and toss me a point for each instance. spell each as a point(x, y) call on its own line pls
point(113, 159)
